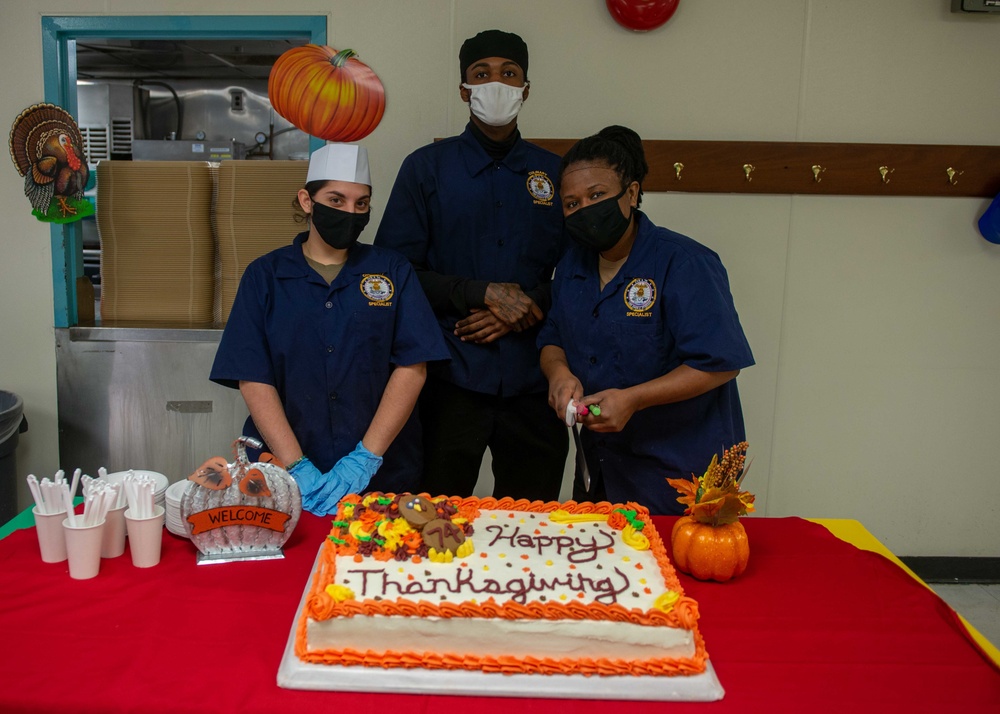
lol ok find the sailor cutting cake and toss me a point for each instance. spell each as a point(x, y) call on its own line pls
point(328, 341)
point(643, 335)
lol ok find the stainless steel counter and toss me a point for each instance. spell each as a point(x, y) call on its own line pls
point(138, 396)
point(125, 332)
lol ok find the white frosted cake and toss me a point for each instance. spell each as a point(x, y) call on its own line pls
point(498, 586)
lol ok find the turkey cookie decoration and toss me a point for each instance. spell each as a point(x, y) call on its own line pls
point(443, 538)
point(47, 149)
point(242, 510)
point(403, 527)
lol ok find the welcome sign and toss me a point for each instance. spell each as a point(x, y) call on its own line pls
point(242, 510)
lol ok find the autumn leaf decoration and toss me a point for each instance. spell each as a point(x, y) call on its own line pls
point(716, 498)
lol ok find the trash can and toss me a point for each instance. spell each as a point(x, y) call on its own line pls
point(12, 423)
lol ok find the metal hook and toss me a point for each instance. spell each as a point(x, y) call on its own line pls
point(885, 171)
point(747, 169)
point(817, 170)
point(678, 167)
point(952, 174)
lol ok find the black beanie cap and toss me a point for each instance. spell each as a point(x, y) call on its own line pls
point(493, 43)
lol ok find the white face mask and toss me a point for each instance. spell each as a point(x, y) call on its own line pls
point(495, 103)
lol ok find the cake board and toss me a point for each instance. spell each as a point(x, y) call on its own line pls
point(293, 673)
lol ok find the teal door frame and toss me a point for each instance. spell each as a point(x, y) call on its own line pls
point(59, 37)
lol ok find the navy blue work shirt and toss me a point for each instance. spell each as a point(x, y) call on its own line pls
point(456, 212)
point(329, 349)
point(669, 305)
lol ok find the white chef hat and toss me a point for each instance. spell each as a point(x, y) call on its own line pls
point(340, 162)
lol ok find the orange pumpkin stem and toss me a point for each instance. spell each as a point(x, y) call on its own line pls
point(340, 59)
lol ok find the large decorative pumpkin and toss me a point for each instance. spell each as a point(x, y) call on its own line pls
point(710, 552)
point(328, 94)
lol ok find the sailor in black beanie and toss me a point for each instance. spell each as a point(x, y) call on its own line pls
point(479, 217)
point(494, 80)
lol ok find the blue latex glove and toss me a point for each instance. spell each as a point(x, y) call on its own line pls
point(306, 475)
point(350, 475)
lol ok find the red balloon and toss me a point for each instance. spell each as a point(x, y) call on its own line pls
point(641, 15)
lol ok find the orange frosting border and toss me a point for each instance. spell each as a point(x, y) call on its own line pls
point(684, 615)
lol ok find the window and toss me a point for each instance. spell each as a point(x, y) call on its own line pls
point(60, 36)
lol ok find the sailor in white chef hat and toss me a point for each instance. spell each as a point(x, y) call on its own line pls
point(337, 197)
point(328, 341)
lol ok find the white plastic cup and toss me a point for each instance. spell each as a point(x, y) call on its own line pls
point(83, 547)
point(113, 543)
point(145, 536)
point(51, 539)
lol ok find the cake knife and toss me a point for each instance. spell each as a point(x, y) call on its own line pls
point(581, 460)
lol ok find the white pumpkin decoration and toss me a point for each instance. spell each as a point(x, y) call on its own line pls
point(242, 510)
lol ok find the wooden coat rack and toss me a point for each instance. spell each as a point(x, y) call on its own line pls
point(829, 169)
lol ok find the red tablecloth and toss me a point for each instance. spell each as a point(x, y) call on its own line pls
point(813, 625)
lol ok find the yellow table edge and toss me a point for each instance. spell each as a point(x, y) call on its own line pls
point(857, 535)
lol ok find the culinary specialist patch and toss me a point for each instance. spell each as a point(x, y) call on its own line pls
point(378, 289)
point(541, 188)
point(640, 294)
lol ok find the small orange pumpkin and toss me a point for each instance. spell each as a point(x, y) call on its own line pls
point(710, 552)
point(329, 94)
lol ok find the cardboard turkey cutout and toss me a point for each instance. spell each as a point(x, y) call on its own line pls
point(47, 148)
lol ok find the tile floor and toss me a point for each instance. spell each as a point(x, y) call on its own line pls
point(979, 604)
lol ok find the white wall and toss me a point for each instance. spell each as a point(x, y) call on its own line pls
point(876, 393)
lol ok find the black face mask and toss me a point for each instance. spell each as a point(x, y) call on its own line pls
point(340, 229)
point(600, 225)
